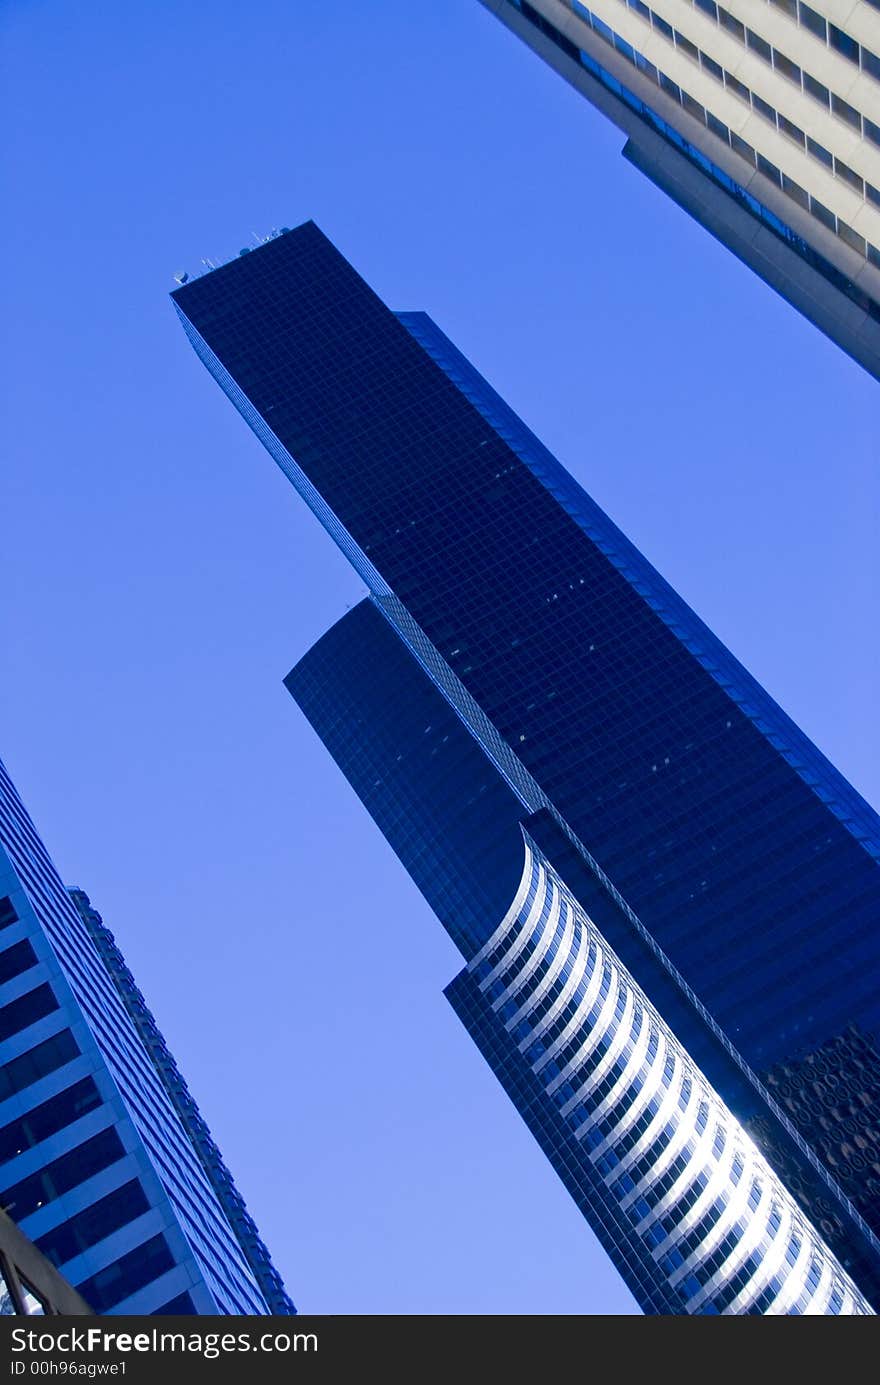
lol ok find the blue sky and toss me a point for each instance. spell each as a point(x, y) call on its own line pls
point(161, 576)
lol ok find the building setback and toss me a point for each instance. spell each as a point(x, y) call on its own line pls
point(105, 1161)
point(760, 117)
point(667, 911)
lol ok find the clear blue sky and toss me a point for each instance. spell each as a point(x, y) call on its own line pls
point(161, 577)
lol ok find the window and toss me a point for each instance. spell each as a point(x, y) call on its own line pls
point(759, 45)
point(813, 21)
point(7, 912)
point(851, 237)
point(62, 1174)
point(790, 6)
point(793, 131)
point(732, 25)
point(849, 175)
point(128, 1274)
point(742, 148)
point(89, 1227)
point(786, 67)
point(48, 1118)
point(21, 1072)
point(739, 87)
point(686, 46)
point(664, 28)
point(16, 959)
point(872, 131)
point(795, 191)
point(846, 112)
point(26, 1010)
point(843, 43)
point(718, 127)
point(715, 68)
point(763, 108)
point(816, 90)
point(823, 214)
point(709, 7)
point(819, 151)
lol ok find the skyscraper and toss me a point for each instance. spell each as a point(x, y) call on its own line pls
point(664, 894)
point(760, 117)
point(106, 1163)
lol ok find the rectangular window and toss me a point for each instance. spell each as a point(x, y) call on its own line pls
point(101, 1219)
point(20, 1073)
point(789, 6)
point(693, 107)
point(128, 1274)
point(739, 87)
point(786, 67)
point(718, 127)
point(664, 28)
point(742, 148)
point(7, 912)
point(712, 66)
point(872, 131)
point(819, 152)
point(851, 237)
point(846, 112)
point(686, 46)
point(871, 63)
point(850, 176)
point(759, 45)
point(47, 1119)
point(872, 194)
point(20, 1014)
point(732, 25)
point(708, 7)
point(821, 212)
point(769, 170)
point(763, 108)
point(816, 90)
point(62, 1174)
point(842, 43)
point(795, 191)
point(793, 131)
point(16, 959)
point(670, 87)
point(813, 21)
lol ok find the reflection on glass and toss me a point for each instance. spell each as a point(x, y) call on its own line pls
point(33, 1304)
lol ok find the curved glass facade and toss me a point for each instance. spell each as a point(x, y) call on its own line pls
point(719, 1223)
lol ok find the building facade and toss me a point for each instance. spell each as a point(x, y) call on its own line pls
point(760, 117)
point(105, 1162)
point(667, 913)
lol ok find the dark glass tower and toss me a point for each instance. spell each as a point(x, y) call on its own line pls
point(104, 1159)
point(667, 913)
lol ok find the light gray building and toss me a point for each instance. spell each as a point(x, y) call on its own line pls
point(760, 117)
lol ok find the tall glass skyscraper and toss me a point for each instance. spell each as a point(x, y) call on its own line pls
point(106, 1163)
point(665, 896)
point(760, 117)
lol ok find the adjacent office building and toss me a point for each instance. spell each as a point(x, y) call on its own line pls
point(105, 1163)
point(760, 117)
point(665, 897)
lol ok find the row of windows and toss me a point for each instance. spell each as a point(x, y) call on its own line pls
point(48, 1118)
point(829, 33)
point(20, 1073)
point(95, 1223)
point(794, 241)
point(26, 1010)
point(62, 1174)
point(126, 1275)
point(763, 108)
